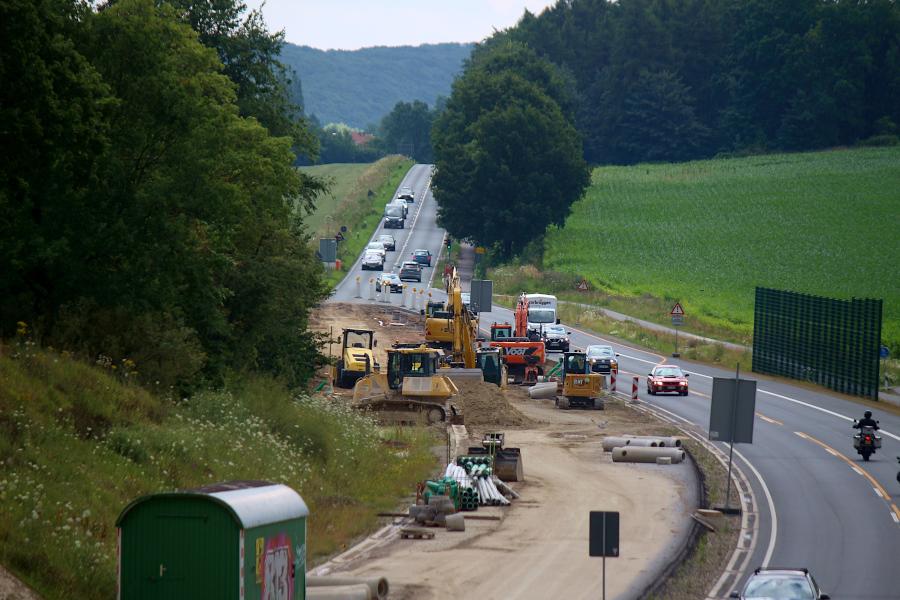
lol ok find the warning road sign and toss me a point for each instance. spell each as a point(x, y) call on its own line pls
point(677, 310)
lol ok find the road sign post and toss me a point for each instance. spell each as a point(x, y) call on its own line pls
point(677, 321)
point(731, 417)
point(603, 538)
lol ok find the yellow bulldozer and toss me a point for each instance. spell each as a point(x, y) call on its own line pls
point(412, 390)
point(578, 386)
point(357, 357)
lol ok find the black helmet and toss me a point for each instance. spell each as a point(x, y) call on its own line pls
point(868, 414)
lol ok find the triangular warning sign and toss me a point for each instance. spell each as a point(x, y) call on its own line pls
point(677, 310)
point(583, 286)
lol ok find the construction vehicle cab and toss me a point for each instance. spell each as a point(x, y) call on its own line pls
point(490, 361)
point(524, 358)
point(357, 357)
point(578, 386)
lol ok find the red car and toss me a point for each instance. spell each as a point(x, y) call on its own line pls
point(667, 378)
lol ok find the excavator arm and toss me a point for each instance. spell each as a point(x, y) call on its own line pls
point(463, 339)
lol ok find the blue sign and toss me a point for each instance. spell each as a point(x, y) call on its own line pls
point(884, 352)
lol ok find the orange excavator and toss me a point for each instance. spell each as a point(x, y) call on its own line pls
point(524, 357)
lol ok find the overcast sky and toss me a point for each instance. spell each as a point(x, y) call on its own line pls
point(353, 24)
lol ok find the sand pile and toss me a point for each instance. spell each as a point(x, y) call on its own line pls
point(486, 404)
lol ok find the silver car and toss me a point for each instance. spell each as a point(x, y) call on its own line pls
point(373, 260)
point(781, 584)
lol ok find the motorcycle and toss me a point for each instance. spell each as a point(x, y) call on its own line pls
point(866, 441)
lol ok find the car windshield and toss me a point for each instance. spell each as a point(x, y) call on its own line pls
point(421, 252)
point(779, 587)
point(393, 211)
point(375, 246)
point(386, 239)
point(599, 351)
point(668, 372)
point(538, 315)
point(556, 329)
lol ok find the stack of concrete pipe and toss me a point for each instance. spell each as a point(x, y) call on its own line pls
point(644, 449)
point(346, 588)
point(643, 441)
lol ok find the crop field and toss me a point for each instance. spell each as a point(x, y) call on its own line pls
point(706, 233)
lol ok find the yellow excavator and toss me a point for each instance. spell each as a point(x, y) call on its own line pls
point(411, 391)
point(357, 357)
point(578, 385)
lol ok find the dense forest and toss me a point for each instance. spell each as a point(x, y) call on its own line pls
point(669, 80)
point(149, 208)
point(360, 87)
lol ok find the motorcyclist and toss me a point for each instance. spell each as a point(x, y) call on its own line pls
point(866, 421)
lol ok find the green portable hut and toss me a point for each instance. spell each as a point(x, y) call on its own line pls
point(235, 540)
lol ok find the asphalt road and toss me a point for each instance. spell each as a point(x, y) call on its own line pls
point(820, 506)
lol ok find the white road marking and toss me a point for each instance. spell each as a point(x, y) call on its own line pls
point(858, 470)
point(413, 226)
point(894, 517)
point(762, 482)
point(877, 491)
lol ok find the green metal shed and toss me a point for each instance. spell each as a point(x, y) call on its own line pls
point(241, 540)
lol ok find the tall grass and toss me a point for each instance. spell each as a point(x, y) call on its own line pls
point(360, 206)
point(706, 233)
point(77, 444)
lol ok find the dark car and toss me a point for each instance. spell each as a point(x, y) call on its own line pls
point(781, 584)
point(407, 194)
point(389, 279)
point(423, 257)
point(555, 338)
point(667, 378)
point(602, 358)
point(388, 240)
point(411, 271)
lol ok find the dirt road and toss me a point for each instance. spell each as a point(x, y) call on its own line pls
point(540, 547)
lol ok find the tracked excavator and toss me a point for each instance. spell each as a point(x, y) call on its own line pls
point(524, 357)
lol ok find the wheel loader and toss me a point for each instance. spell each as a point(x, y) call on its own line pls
point(357, 357)
point(412, 390)
point(578, 386)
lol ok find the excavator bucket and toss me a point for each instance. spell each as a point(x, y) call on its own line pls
point(508, 464)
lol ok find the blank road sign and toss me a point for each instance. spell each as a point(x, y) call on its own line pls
point(731, 415)
point(604, 533)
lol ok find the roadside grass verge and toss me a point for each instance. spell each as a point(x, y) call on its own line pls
point(78, 442)
point(325, 221)
point(360, 208)
point(706, 233)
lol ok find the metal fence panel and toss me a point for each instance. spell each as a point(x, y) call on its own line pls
point(834, 343)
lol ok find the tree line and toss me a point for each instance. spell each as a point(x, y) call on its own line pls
point(669, 80)
point(149, 208)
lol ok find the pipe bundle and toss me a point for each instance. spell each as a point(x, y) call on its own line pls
point(476, 473)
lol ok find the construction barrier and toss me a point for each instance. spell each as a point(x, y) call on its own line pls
point(612, 380)
point(358, 288)
point(371, 288)
point(413, 302)
point(634, 389)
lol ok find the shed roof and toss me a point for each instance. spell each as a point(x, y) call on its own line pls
point(251, 503)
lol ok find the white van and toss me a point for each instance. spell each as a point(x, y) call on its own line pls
point(541, 312)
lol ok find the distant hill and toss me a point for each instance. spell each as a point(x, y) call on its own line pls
point(359, 87)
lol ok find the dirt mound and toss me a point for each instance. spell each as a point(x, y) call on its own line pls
point(486, 404)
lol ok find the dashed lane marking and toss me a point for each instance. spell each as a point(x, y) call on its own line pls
point(879, 489)
point(769, 419)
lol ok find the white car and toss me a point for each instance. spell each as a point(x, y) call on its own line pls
point(376, 246)
point(373, 260)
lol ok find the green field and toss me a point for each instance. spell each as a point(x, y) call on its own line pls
point(343, 178)
point(707, 233)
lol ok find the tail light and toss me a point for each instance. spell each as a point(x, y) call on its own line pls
point(868, 439)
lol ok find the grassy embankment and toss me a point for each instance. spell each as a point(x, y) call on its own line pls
point(350, 204)
point(706, 233)
point(79, 441)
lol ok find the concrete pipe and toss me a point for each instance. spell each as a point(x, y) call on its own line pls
point(339, 592)
point(378, 586)
point(620, 442)
point(542, 390)
point(664, 441)
point(455, 522)
point(646, 455)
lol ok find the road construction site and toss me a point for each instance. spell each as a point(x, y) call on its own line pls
point(536, 545)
